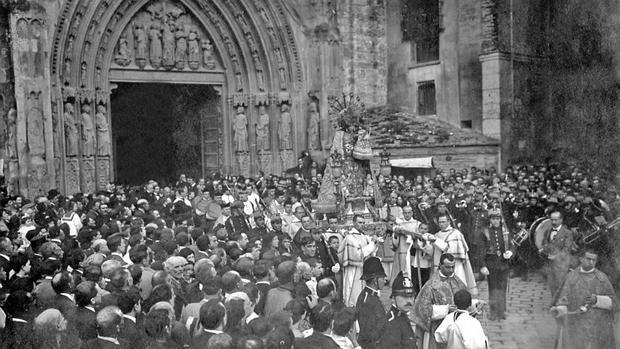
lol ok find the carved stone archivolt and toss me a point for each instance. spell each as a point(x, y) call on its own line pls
point(250, 42)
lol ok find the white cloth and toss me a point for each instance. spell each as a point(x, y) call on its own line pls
point(343, 342)
point(74, 222)
point(440, 311)
point(462, 332)
point(228, 198)
point(353, 250)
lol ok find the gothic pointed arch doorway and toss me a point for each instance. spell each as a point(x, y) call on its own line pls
point(245, 48)
point(174, 129)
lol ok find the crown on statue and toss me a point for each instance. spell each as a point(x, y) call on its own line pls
point(347, 112)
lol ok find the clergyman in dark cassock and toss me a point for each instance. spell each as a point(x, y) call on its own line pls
point(585, 307)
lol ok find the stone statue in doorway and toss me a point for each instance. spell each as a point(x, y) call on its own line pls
point(207, 55)
point(141, 51)
point(155, 48)
point(12, 133)
point(103, 132)
point(194, 49)
point(284, 130)
point(71, 131)
point(240, 127)
point(262, 130)
point(56, 131)
point(169, 42)
point(181, 50)
point(314, 142)
point(88, 132)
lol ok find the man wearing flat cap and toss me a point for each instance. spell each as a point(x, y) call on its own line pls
point(398, 332)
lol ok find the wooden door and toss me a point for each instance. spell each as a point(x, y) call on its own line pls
point(212, 147)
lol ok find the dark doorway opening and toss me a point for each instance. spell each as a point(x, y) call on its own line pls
point(158, 130)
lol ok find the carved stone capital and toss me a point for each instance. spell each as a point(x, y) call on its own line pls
point(284, 97)
point(102, 96)
point(261, 99)
point(68, 92)
point(239, 99)
point(86, 95)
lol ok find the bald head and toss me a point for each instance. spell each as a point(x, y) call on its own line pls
point(108, 320)
point(109, 267)
point(159, 278)
point(325, 287)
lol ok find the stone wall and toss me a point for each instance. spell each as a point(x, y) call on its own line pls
point(362, 25)
point(398, 58)
point(457, 74)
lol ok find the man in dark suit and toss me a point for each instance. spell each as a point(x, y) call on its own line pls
point(43, 292)
point(321, 319)
point(118, 247)
point(131, 330)
point(557, 246)
point(62, 283)
point(212, 316)
point(108, 322)
point(262, 272)
point(18, 330)
point(6, 248)
point(85, 319)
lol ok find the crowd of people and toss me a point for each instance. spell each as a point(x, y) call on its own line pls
point(233, 262)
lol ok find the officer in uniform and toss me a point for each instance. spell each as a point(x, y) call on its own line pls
point(371, 313)
point(497, 249)
point(398, 332)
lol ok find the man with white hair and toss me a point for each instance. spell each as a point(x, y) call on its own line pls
point(175, 266)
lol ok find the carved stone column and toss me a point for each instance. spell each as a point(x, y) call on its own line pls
point(69, 131)
point(262, 132)
point(34, 130)
point(103, 138)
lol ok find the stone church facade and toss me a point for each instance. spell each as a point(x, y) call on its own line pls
point(273, 63)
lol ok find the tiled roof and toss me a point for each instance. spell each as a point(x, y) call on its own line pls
point(391, 128)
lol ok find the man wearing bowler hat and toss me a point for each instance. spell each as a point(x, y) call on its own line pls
point(398, 332)
point(371, 314)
